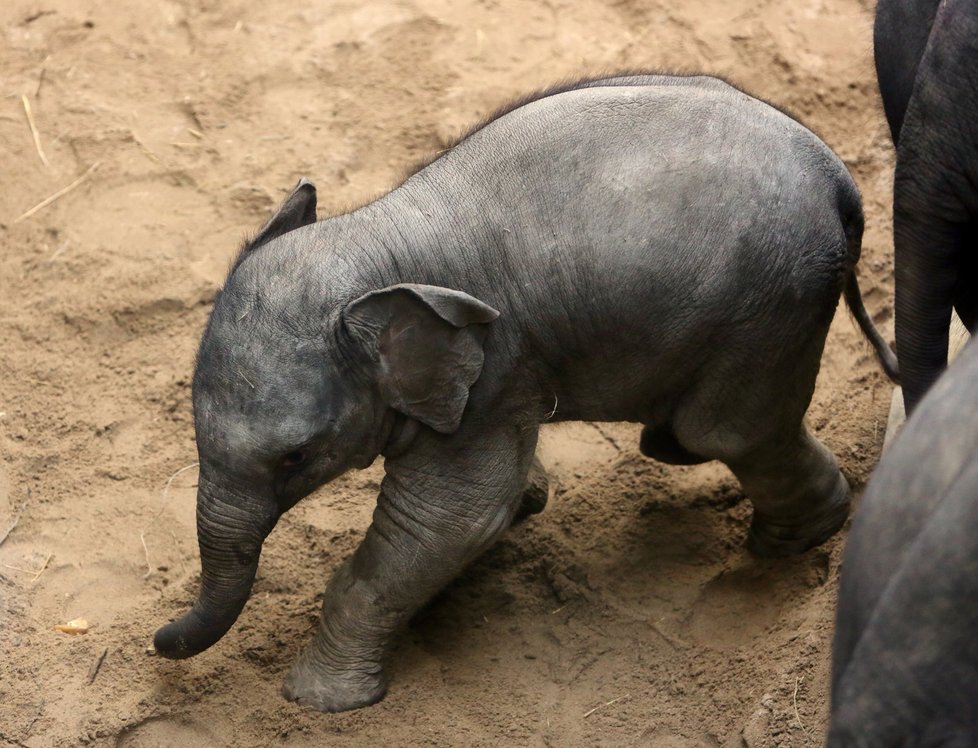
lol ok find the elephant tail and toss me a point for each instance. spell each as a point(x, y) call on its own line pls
point(853, 226)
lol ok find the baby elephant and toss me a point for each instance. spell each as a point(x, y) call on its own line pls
point(905, 657)
point(665, 250)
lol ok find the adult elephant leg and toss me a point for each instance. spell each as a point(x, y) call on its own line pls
point(440, 506)
point(800, 496)
point(899, 39)
point(928, 258)
point(934, 191)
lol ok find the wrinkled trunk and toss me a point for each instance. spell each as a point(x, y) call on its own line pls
point(230, 530)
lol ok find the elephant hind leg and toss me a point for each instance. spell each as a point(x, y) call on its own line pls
point(800, 496)
point(751, 418)
point(660, 443)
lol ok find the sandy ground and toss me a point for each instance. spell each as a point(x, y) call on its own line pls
point(627, 614)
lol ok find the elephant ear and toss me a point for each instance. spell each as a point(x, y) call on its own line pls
point(426, 345)
point(297, 210)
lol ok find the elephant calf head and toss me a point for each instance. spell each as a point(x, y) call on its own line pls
point(299, 378)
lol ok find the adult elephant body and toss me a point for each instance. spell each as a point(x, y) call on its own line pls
point(663, 250)
point(927, 65)
point(905, 656)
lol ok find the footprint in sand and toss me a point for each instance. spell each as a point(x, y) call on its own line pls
point(163, 732)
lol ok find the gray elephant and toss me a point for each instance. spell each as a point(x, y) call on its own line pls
point(905, 656)
point(927, 65)
point(663, 250)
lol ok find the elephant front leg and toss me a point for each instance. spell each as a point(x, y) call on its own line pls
point(439, 507)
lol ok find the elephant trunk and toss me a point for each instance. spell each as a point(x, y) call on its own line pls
point(230, 530)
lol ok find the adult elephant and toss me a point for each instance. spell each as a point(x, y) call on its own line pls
point(927, 65)
point(905, 655)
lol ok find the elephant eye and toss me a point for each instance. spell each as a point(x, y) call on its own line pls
point(294, 459)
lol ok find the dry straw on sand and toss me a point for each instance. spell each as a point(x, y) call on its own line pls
point(34, 133)
point(59, 194)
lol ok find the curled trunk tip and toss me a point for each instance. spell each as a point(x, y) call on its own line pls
point(195, 631)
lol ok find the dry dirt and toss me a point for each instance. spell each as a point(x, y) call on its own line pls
point(627, 614)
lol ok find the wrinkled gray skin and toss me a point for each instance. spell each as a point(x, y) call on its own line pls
point(662, 250)
point(905, 657)
point(927, 65)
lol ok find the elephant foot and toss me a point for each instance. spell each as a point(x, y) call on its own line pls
point(332, 691)
point(773, 537)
